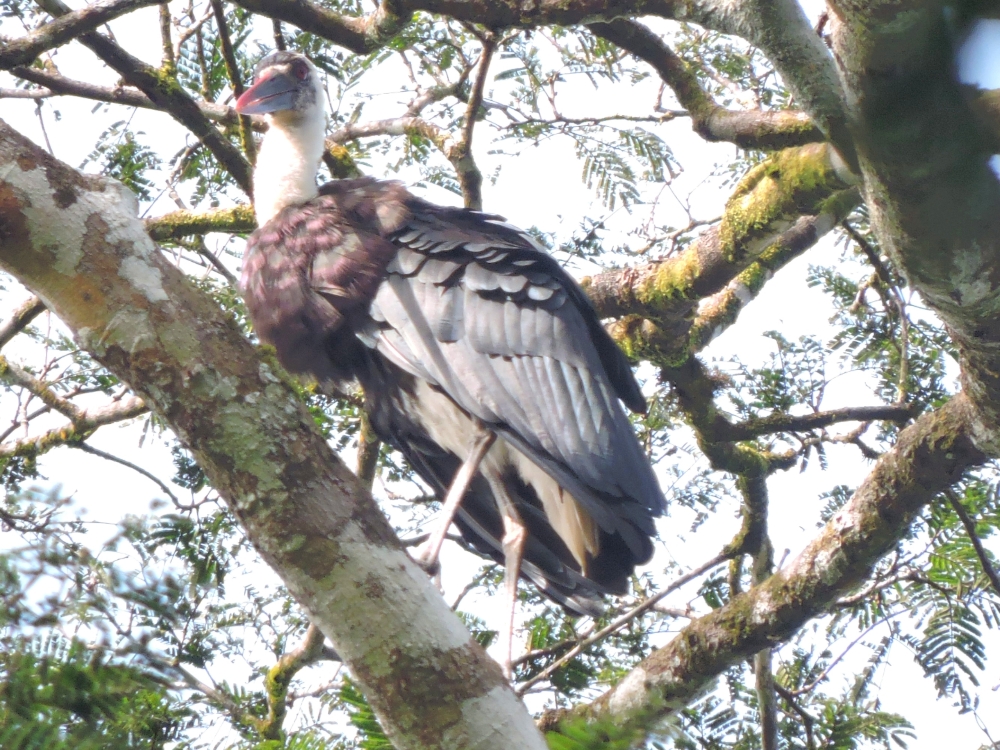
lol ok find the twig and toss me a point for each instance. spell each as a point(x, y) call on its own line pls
point(970, 528)
point(279, 37)
point(136, 468)
point(620, 622)
point(169, 60)
point(233, 71)
point(75, 431)
point(20, 319)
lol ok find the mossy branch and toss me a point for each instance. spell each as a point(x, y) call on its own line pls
point(765, 130)
point(280, 676)
point(766, 203)
point(177, 224)
point(930, 455)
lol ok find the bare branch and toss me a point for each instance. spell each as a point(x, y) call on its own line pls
point(172, 226)
point(749, 129)
point(20, 319)
point(977, 544)
point(805, 422)
point(134, 467)
point(68, 26)
point(233, 71)
point(360, 35)
point(89, 420)
point(59, 85)
point(621, 621)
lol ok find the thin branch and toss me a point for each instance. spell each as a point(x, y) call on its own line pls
point(970, 528)
point(20, 319)
point(233, 71)
point(169, 59)
point(769, 425)
point(65, 28)
point(280, 676)
point(620, 622)
point(56, 84)
point(89, 421)
point(15, 375)
point(134, 467)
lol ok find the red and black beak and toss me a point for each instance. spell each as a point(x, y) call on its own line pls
point(272, 94)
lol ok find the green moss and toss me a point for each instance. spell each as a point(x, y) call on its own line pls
point(238, 219)
point(790, 183)
point(672, 280)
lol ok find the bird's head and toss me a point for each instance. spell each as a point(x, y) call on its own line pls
point(286, 86)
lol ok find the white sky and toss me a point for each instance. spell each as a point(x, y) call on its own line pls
point(541, 187)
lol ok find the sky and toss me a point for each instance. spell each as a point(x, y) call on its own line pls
point(541, 188)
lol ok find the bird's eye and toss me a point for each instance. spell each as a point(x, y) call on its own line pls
point(301, 71)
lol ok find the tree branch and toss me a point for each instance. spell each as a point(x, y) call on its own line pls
point(20, 319)
point(805, 422)
point(748, 129)
point(360, 35)
point(66, 28)
point(233, 71)
point(56, 84)
point(89, 420)
point(177, 224)
point(977, 544)
point(930, 455)
point(280, 676)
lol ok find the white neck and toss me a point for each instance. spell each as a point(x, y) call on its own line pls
point(287, 163)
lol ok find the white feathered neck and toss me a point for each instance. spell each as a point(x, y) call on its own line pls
point(288, 161)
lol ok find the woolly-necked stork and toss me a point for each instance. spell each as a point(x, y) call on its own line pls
point(481, 359)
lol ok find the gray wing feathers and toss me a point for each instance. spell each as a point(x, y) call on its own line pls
point(524, 367)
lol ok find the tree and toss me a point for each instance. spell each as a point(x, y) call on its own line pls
point(857, 129)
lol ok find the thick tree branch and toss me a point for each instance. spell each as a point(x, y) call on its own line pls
point(929, 456)
point(748, 129)
point(933, 198)
point(24, 50)
point(81, 249)
point(360, 35)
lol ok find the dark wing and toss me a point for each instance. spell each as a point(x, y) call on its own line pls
point(477, 309)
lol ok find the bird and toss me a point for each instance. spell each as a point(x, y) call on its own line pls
point(481, 359)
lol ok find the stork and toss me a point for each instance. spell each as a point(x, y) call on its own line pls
point(481, 359)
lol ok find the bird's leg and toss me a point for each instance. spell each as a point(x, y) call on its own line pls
point(515, 534)
point(427, 557)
